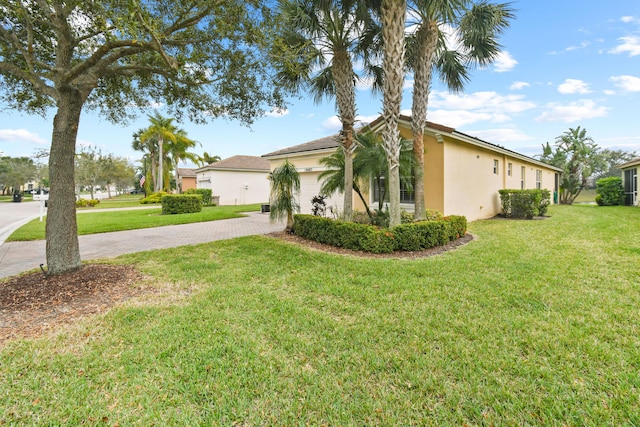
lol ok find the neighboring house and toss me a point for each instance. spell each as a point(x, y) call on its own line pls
point(186, 179)
point(630, 181)
point(237, 180)
point(462, 174)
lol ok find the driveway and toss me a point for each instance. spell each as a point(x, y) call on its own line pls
point(18, 257)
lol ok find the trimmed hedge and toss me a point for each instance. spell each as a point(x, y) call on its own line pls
point(609, 191)
point(204, 192)
point(362, 237)
point(181, 203)
point(524, 203)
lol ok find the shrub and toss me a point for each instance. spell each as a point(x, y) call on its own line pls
point(609, 191)
point(431, 214)
point(204, 192)
point(83, 203)
point(181, 203)
point(413, 236)
point(524, 203)
point(153, 198)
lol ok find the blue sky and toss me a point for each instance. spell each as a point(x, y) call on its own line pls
point(565, 64)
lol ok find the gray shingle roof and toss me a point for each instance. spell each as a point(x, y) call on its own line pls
point(252, 163)
point(327, 142)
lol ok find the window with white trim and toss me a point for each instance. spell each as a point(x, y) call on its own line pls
point(538, 179)
point(509, 169)
point(495, 166)
point(523, 172)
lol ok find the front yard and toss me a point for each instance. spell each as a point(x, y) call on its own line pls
point(533, 323)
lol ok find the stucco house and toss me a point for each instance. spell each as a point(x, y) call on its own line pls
point(462, 174)
point(186, 179)
point(630, 181)
point(237, 180)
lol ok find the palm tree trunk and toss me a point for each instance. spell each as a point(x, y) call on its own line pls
point(158, 183)
point(62, 248)
point(393, 23)
point(345, 100)
point(426, 42)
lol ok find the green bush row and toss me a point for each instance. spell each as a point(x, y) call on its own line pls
point(609, 191)
point(181, 203)
point(204, 192)
point(524, 203)
point(153, 198)
point(362, 237)
point(83, 203)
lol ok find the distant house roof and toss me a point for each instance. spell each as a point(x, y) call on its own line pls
point(326, 143)
point(239, 163)
point(634, 162)
point(186, 173)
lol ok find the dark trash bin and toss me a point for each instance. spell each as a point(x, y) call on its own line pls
point(265, 208)
point(17, 197)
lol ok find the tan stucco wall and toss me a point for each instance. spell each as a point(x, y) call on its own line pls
point(470, 185)
point(188, 183)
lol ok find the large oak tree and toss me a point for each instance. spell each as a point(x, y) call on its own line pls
point(202, 58)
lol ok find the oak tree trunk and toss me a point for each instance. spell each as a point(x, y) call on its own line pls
point(62, 248)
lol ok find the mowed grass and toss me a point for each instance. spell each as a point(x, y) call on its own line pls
point(121, 201)
point(533, 323)
point(103, 222)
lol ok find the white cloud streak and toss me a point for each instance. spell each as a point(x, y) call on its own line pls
point(627, 83)
point(573, 86)
point(572, 112)
point(21, 136)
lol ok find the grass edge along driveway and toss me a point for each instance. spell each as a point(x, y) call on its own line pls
point(533, 323)
point(120, 220)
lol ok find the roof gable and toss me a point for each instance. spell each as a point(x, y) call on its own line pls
point(326, 143)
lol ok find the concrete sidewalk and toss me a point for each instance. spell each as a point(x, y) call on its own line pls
point(18, 257)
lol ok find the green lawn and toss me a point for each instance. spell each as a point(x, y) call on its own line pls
point(586, 196)
point(103, 222)
point(533, 323)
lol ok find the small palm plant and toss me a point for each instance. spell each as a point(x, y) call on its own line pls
point(285, 183)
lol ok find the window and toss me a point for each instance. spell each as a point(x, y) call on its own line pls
point(538, 179)
point(523, 172)
point(509, 169)
point(495, 166)
point(407, 194)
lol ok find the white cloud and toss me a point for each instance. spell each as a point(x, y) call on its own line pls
point(504, 62)
point(21, 136)
point(630, 45)
point(627, 83)
point(500, 135)
point(517, 85)
point(582, 45)
point(629, 19)
point(573, 86)
point(277, 112)
point(609, 92)
point(457, 118)
point(485, 101)
point(574, 111)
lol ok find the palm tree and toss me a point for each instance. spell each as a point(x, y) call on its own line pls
point(208, 159)
point(393, 13)
point(321, 39)
point(478, 29)
point(177, 151)
point(161, 132)
point(285, 184)
point(369, 164)
point(150, 159)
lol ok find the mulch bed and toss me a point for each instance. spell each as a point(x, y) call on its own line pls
point(33, 304)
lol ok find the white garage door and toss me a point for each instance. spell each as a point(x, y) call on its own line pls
point(310, 187)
